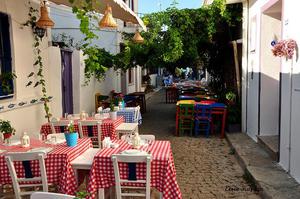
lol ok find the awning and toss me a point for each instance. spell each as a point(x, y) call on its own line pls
point(120, 10)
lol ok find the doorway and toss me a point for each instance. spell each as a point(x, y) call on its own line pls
point(269, 79)
point(67, 85)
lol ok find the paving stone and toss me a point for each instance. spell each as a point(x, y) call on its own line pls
point(204, 166)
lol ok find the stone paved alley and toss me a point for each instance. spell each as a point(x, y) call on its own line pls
point(205, 167)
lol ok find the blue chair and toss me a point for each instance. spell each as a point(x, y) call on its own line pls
point(203, 119)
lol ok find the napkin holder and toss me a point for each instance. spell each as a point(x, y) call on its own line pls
point(106, 142)
point(136, 141)
point(25, 140)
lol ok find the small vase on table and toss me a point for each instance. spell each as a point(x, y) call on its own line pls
point(71, 135)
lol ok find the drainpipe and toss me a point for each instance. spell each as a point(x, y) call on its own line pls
point(246, 4)
point(290, 122)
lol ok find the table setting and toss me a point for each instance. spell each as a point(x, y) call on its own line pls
point(108, 127)
point(58, 158)
point(163, 174)
point(217, 109)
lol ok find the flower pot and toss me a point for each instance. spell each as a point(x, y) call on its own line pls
point(71, 139)
point(7, 135)
point(113, 115)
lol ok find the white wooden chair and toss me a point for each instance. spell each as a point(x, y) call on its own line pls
point(48, 195)
point(58, 136)
point(97, 123)
point(60, 123)
point(84, 161)
point(143, 137)
point(132, 159)
point(136, 113)
point(10, 158)
point(127, 129)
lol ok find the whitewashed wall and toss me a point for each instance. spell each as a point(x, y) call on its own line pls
point(270, 67)
point(32, 117)
point(290, 136)
point(84, 95)
point(66, 22)
point(290, 84)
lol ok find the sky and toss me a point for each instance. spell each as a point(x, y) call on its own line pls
point(149, 6)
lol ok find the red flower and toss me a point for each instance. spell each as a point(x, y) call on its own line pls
point(284, 48)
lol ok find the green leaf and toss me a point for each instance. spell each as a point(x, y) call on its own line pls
point(36, 62)
point(30, 74)
point(36, 84)
point(29, 83)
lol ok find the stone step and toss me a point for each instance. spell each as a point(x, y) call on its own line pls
point(270, 144)
point(272, 181)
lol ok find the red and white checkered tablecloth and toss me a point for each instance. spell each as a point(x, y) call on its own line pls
point(108, 128)
point(163, 174)
point(58, 167)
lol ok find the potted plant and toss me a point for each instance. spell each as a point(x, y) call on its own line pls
point(230, 98)
point(234, 118)
point(112, 113)
point(6, 129)
point(71, 135)
point(120, 101)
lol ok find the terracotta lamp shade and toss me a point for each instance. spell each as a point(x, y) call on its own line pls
point(137, 38)
point(44, 21)
point(107, 20)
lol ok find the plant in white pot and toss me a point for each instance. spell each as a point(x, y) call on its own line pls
point(6, 129)
point(71, 135)
point(113, 112)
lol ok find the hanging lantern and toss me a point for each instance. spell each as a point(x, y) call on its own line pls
point(137, 38)
point(44, 20)
point(107, 20)
point(39, 31)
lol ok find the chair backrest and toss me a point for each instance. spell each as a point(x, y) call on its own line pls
point(137, 114)
point(143, 137)
point(99, 99)
point(48, 195)
point(202, 111)
point(91, 123)
point(148, 137)
point(61, 123)
point(132, 159)
point(10, 158)
point(186, 110)
point(137, 111)
point(58, 136)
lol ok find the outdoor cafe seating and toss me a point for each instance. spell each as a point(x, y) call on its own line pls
point(195, 116)
point(96, 151)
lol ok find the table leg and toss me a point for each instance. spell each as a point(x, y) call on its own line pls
point(76, 176)
point(223, 123)
point(176, 128)
point(161, 195)
point(144, 102)
point(101, 194)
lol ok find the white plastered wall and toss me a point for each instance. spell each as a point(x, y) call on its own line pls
point(29, 118)
point(290, 87)
point(83, 96)
point(290, 137)
point(270, 67)
point(252, 70)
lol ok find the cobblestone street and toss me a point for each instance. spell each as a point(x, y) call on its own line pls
point(205, 167)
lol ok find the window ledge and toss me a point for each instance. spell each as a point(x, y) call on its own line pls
point(15, 104)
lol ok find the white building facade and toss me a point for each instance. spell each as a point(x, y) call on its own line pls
point(24, 108)
point(271, 85)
